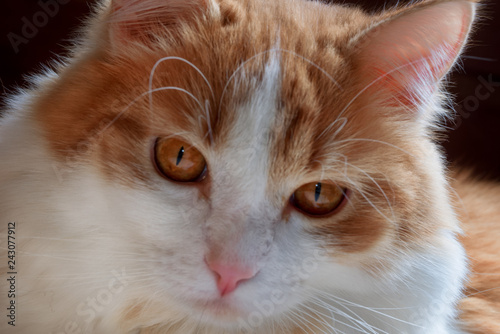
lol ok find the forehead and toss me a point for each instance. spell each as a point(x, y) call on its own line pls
point(300, 59)
point(275, 77)
point(267, 82)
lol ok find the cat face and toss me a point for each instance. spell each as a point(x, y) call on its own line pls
point(246, 156)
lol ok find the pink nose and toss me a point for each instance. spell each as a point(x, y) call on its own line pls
point(229, 276)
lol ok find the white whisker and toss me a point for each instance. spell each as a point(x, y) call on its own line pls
point(242, 65)
point(374, 141)
point(344, 302)
point(377, 80)
point(151, 76)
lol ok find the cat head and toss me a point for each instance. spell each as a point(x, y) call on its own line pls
point(251, 151)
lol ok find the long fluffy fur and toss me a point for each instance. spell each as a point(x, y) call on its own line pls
point(275, 95)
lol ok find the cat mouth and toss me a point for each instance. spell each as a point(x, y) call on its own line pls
point(220, 313)
point(224, 310)
point(221, 306)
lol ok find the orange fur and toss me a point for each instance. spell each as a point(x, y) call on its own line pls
point(480, 211)
point(99, 110)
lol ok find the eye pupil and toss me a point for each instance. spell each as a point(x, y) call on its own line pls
point(179, 156)
point(317, 192)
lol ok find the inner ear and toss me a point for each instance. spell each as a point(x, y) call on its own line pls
point(409, 54)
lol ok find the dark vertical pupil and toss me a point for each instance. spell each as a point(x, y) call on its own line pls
point(179, 156)
point(317, 192)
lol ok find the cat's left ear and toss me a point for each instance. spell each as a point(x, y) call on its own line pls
point(140, 20)
point(408, 54)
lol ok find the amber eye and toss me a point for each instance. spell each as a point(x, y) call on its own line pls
point(179, 160)
point(317, 198)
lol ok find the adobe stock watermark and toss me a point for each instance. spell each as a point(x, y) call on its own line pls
point(438, 307)
point(484, 90)
point(31, 26)
point(116, 110)
point(87, 310)
point(291, 279)
point(72, 161)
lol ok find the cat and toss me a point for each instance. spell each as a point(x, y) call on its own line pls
point(245, 166)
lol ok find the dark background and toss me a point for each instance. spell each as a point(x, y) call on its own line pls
point(473, 141)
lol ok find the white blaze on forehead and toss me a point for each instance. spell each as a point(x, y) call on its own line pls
point(239, 223)
point(257, 114)
point(249, 138)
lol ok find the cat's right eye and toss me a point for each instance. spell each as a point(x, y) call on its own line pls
point(318, 198)
point(179, 160)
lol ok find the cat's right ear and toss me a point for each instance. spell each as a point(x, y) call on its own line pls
point(132, 21)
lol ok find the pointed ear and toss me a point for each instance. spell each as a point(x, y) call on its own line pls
point(141, 20)
point(407, 55)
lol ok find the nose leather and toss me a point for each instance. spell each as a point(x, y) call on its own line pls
point(228, 277)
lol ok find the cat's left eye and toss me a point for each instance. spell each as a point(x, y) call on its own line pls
point(178, 160)
point(318, 198)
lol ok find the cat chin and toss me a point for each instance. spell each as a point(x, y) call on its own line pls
point(235, 311)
